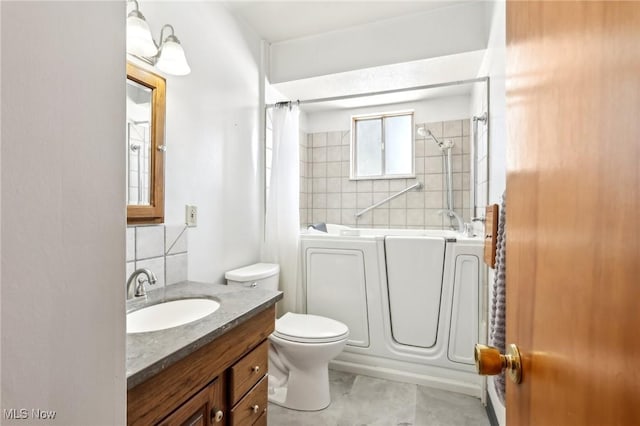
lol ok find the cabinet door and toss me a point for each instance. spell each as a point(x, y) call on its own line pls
point(252, 406)
point(206, 408)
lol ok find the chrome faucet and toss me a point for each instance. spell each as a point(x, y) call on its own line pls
point(137, 290)
point(451, 213)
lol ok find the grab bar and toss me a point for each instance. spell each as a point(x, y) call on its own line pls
point(417, 185)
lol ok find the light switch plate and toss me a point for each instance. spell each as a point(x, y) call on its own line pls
point(191, 215)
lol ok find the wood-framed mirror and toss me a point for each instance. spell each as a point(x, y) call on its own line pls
point(146, 109)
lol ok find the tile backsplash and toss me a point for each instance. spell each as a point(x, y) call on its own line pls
point(161, 248)
point(328, 195)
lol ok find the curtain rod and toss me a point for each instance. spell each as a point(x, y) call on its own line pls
point(382, 92)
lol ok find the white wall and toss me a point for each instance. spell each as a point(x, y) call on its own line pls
point(431, 110)
point(444, 31)
point(63, 197)
point(494, 66)
point(213, 158)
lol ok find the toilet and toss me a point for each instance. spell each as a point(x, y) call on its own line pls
point(301, 347)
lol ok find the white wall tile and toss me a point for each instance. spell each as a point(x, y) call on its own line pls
point(452, 128)
point(334, 169)
point(433, 165)
point(397, 217)
point(349, 200)
point(433, 183)
point(345, 153)
point(149, 241)
point(379, 196)
point(319, 170)
point(398, 184)
point(334, 138)
point(318, 215)
point(433, 199)
point(319, 139)
point(334, 216)
point(415, 217)
point(334, 184)
point(319, 201)
point(334, 153)
point(415, 200)
point(176, 268)
point(131, 244)
point(381, 185)
point(349, 185)
point(319, 185)
point(400, 202)
point(319, 154)
point(176, 237)
point(381, 217)
point(364, 200)
point(334, 201)
point(365, 220)
point(348, 216)
point(365, 186)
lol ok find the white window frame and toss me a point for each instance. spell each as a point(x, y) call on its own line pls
point(354, 141)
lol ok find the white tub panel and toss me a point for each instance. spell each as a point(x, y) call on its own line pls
point(464, 313)
point(336, 288)
point(414, 273)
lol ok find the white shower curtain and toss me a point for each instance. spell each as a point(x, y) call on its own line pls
point(282, 222)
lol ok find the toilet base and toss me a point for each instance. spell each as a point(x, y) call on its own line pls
point(303, 391)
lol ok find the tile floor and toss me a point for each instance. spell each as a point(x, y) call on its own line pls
point(361, 400)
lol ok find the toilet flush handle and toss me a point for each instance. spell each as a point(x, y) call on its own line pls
point(253, 284)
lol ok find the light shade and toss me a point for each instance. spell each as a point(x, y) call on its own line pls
point(171, 59)
point(139, 40)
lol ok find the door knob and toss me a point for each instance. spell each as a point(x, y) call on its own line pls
point(489, 361)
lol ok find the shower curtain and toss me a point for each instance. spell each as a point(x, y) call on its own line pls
point(282, 221)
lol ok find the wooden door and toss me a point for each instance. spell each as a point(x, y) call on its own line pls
point(573, 211)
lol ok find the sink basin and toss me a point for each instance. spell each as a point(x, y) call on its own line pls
point(169, 314)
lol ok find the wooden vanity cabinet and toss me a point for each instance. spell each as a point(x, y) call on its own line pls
point(222, 383)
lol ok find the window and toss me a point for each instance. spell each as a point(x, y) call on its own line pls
point(382, 146)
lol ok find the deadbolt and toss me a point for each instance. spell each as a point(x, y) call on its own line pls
point(489, 361)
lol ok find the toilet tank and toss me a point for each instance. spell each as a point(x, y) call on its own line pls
point(263, 275)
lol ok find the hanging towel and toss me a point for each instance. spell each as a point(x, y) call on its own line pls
point(498, 301)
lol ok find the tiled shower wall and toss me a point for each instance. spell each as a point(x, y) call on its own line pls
point(161, 248)
point(327, 194)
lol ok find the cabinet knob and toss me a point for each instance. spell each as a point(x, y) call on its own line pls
point(255, 408)
point(216, 415)
point(255, 369)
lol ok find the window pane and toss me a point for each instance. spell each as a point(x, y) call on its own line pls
point(369, 147)
point(398, 146)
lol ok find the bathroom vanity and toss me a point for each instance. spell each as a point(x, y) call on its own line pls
point(208, 372)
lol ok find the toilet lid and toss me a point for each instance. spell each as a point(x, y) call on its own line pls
point(305, 328)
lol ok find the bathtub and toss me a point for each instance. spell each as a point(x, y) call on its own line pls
point(412, 300)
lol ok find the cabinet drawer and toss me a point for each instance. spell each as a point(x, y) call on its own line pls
point(246, 372)
point(252, 406)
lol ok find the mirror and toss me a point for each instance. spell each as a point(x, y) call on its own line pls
point(145, 146)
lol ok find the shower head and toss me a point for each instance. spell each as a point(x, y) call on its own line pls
point(424, 132)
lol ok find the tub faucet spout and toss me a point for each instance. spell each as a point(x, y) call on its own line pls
point(451, 213)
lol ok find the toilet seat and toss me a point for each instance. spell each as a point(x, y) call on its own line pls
point(306, 328)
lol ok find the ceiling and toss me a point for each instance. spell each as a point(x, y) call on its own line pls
point(277, 21)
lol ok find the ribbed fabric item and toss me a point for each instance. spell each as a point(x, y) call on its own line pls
point(498, 301)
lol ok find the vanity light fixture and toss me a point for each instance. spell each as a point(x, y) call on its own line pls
point(168, 56)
